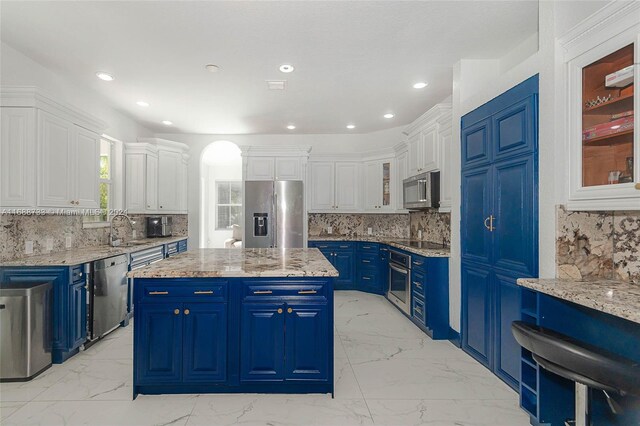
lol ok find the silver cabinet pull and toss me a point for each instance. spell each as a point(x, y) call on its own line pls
point(418, 263)
point(366, 247)
point(366, 261)
point(262, 292)
point(203, 292)
point(307, 292)
point(366, 278)
point(344, 246)
point(156, 293)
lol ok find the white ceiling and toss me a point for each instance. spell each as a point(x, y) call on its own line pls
point(355, 60)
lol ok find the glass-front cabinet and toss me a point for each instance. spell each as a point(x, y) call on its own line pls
point(602, 103)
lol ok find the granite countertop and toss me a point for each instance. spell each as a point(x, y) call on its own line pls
point(401, 243)
point(618, 298)
point(88, 254)
point(213, 263)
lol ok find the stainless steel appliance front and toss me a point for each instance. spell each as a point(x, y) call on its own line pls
point(108, 295)
point(159, 226)
point(421, 191)
point(274, 214)
point(399, 292)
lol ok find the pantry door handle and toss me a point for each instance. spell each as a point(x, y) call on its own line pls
point(490, 225)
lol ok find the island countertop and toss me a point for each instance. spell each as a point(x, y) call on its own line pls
point(618, 298)
point(230, 263)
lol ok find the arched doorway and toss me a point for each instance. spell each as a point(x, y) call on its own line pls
point(221, 194)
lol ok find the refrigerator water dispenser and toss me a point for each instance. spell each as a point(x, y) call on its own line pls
point(260, 224)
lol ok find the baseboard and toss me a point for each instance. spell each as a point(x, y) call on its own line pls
point(454, 337)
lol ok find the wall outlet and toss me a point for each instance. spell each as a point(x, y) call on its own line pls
point(329, 229)
point(134, 234)
point(67, 241)
point(28, 247)
point(370, 231)
point(419, 234)
point(49, 244)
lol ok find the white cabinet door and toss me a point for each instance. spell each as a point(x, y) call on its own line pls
point(347, 179)
point(322, 185)
point(414, 155)
point(184, 185)
point(288, 169)
point(428, 157)
point(17, 157)
point(445, 171)
point(151, 183)
point(87, 179)
point(401, 174)
point(372, 185)
point(56, 161)
point(260, 168)
point(135, 167)
point(168, 196)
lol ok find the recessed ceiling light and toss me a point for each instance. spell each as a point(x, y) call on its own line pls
point(167, 122)
point(212, 68)
point(291, 127)
point(142, 103)
point(286, 68)
point(388, 115)
point(351, 126)
point(104, 76)
point(420, 85)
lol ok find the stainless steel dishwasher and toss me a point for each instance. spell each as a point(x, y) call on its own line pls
point(108, 293)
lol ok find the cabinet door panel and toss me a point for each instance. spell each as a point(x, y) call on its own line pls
point(77, 315)
point(168, 194)
point(262, 342)
point(205, 342)
point(288, 169)
point(445, 171)
point(372, 185)
point(135, 183)
point(513, 129)
point(515, 210)
point(17, 157)
point(475, 144)
point(307, 342)
point(322, 185)
point(344, 263)
point(413, 145)
point(347, 179)
point(429, 150)
point(88, 167)
point(476, 312)
point(506, 349)
point(260, 168)
point(151, 189)
point(159, 356)
point(476, 208)
point(56, 161)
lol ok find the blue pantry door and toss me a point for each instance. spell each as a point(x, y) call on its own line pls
point(499, 223)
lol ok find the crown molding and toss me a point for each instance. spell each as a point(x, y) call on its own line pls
point(275, 151)
point(432, 115)
point(165, 144)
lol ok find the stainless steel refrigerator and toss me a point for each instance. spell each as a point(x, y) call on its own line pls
point(273, 214)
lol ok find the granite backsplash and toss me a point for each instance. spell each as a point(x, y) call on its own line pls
point(592, 245)
point(435, 226)
point(15, 230)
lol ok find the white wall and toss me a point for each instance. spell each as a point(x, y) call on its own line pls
point(321, 144)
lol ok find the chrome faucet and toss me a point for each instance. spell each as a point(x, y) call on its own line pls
point(113, 241)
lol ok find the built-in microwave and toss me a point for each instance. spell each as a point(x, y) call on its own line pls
point(421, 191)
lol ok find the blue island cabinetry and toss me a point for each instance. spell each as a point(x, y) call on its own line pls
point(228, 335)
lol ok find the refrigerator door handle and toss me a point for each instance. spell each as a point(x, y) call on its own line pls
point(275, 219)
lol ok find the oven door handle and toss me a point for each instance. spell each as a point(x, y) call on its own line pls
point(402, 271)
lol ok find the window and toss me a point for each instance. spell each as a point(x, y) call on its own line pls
point(228, 204)
point(105, 186)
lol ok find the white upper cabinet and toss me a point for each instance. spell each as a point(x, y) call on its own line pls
point(322, 185)
point(156, 177)
point(347, 179)
point(402, 172)
point(601, 105)
point(169, 164)
point(260, 168)
point(49, 152)
point(17, 157)
point(378, 185)
point(445, 167)
point(428, 158)
point(288, 168)
point(87, 180)
point(415, 151)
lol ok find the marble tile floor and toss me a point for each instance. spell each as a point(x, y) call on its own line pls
point(387, 373)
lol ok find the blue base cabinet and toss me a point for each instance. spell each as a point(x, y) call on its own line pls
point(233, 335)
point(430, 295)
point(69, 314)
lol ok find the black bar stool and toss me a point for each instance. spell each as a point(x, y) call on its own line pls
point(588, 366)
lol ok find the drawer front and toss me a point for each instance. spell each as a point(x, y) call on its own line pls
point(332, 245)
point(368, 276)
point(77, 274)
point(205, 292)
point(418, 262)
point(182, 246)
point(418, 309)
point(255, 291)
point(366, 260)
point(172, 248)
point(369, 247)
point(147, 255)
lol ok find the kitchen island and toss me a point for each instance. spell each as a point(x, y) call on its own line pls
point(234, 320)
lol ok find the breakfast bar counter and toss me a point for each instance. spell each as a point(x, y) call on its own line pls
point(234, 321)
